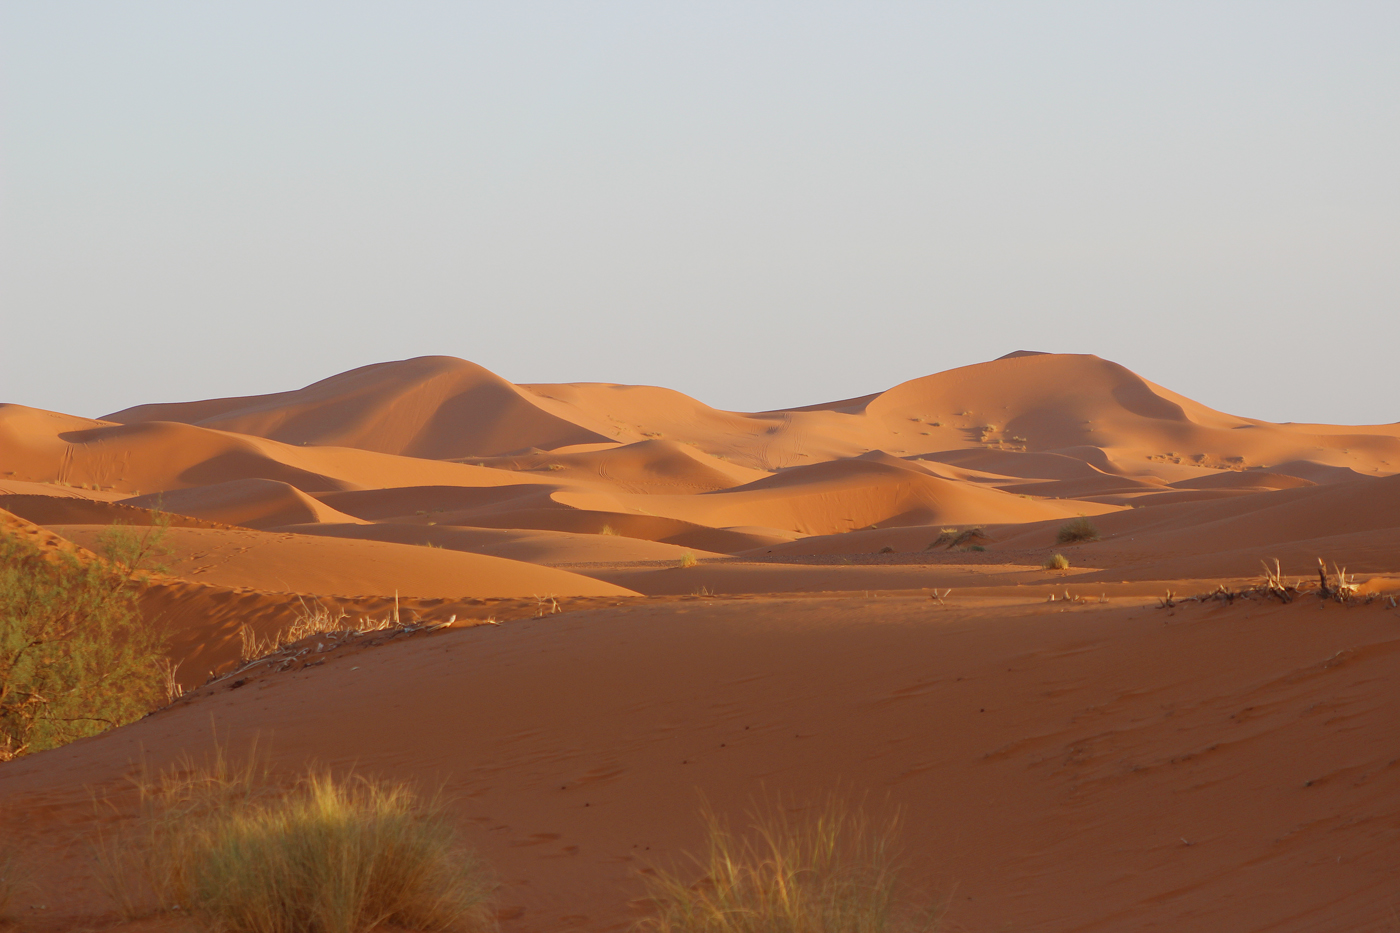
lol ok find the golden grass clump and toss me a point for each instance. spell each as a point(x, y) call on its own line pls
point(832, 872)
point(1081, 529)
point(313, 619)
point(608, 530)
point(1055, 562)
point(687, 560)
point(230, 849)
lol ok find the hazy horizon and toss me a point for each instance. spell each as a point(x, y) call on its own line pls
point(761, 205)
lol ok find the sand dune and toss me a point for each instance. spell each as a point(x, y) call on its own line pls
point(1065, 765)
point(1079, 405)
point(434, 406)
point(290, 563)
point(1191, 539)
point(57, 490)
point(1063, 401)
point(1252, 479)
point(1024, 464)
point(71, 510)
point(147, 457)
point(651, 466)
point(531, 545)
point(836, 496)
point(252, 503)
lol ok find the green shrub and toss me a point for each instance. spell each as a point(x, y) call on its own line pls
point(1056, 562)
point(1081, 529)
point(832, 873)
point(326, 856)
point(76, 658)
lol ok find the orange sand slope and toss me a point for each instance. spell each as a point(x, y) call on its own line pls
point(1108, 767)
point(439, 407)
point(1027, 440)
point(1062, 765)
point(253, 503)
point(291, 563)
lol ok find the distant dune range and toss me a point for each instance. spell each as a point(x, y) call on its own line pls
point(395, 477)
point(864, 575)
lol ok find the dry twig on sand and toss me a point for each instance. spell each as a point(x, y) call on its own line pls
point(1337, 586)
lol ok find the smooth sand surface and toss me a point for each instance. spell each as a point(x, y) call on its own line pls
point(840, 597)
point(252, 503)
point(537, 547)
point(315, 565)
point(1105, 767)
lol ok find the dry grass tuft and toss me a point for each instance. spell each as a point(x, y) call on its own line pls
point(608, 530)
point(1056, 562)
point(314, 619)
point(687, 560)
point(1081, 529)
point(227, 847)
point(958, 537)
point(832, 872)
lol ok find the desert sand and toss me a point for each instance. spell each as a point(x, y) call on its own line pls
point(621, 601)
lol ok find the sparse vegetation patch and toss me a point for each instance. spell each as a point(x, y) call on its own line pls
point(328, 855)
point(1081, 529)
point(959, 538)
point(76, 658)
point(831, 872)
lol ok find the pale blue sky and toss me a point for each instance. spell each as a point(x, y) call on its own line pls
point(762, 204)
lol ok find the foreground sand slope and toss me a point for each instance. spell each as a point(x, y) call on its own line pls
point(329, 566)
point(1114, 768)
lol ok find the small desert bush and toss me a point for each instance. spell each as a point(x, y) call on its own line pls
point(834, 872)
point(1055, 562)
point(958, 537)
point(326, 856)
point(608, 530)
point(76, 657)
point(687, 560)
point(1081, 529)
